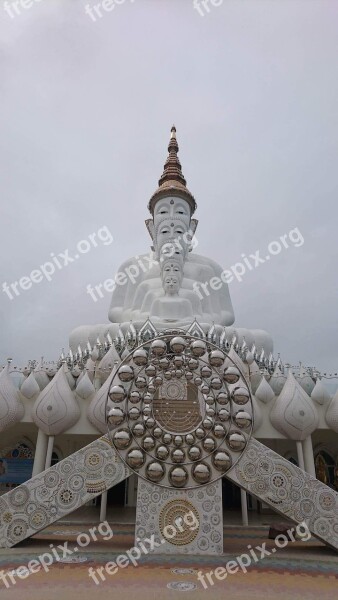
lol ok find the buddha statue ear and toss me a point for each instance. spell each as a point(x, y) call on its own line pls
point(150, 226)
point(192, 231)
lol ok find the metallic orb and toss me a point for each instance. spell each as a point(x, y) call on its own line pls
point(189, 375)
point(178, 373)
point(209, 444)
point(236, 441)
point(158, 380)
point(193, 364)
point(151, 388)
point(157, 432)
point(205, 389)
point(222, 398)
point(158, 347)
point(177, 344)
point(126, 373)
point(207, 423)
point(190, 439)
point(216, 358)
point(221, 461)
point(200, 433)
point(162, 452)
point(168, 374)
point(178, 440)
point(210, 400)
point(150, 422)
point(117, 393)
point(205, 371)
point(155, 471)
point(201, 473)
point(216, 383)
point(243, 419)
point(241, 395)
point(231, 375)
point(166, 438)
point(147, 397)
point(223, 414)
point(148, 443)
point(138, 429)
point(210, 412)
point(178, 477)
point(177, 455)
point(122, 439)
point(164, 363)
point(194, 453)
point(135, 397)
point(147, 411)
point(140, 357)
point(116, 416)
point(150, 370)
point(135, 458)
point(219, 431)
point(141, 382)
point(198, 348)
point(178, 361)
point(198, 380)
point(134, 413)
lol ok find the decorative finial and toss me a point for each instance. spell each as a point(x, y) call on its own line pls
point(172, 181)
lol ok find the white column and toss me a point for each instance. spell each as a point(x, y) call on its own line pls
point(300, 455)
point(40, 453)
point(244, 503)
point(103, 509)
point(49, 451)
point(308, 456)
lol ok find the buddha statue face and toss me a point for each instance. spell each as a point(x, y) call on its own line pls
point(172, 275)
point(171, 229)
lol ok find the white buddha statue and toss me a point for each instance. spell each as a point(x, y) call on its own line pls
point(179, 285)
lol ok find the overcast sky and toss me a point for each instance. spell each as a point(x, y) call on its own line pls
point(86, 111)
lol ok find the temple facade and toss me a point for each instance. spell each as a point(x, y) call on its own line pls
point(49, 411)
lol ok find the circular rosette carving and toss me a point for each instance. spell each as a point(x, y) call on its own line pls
point(39, 519)
point(173, 525)
point(17, 530)
point(179, 411)
point(20, 496)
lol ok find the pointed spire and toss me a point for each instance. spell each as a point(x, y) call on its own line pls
point(172, 181)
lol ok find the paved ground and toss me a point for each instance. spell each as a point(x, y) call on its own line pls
point(302, 570)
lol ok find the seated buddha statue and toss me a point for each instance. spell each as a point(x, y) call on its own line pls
point(179, 285)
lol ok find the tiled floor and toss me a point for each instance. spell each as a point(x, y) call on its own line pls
point(301, 571)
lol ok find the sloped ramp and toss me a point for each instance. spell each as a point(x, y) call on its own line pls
point(63, 488)
point(58, 491)
point(288, 490)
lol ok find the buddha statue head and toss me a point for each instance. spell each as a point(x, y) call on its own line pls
point(171, 275)
point(172, 205)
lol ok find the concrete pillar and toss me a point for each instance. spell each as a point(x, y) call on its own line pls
point(308, 456)
point(40, 453)
point(131, 492)
point(103, 509)
point(49, 451)
point(244, 503)
point(300, 455)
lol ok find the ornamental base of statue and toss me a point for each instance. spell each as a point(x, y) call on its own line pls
point(180, 521)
